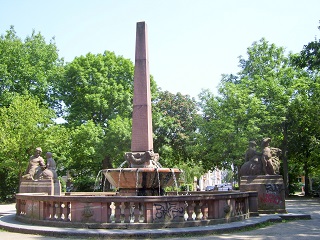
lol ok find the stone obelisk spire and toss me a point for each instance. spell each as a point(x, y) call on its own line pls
point(141, 119)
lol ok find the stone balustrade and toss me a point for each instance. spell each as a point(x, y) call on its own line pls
point(107, 210)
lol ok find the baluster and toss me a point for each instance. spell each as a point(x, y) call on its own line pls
point(64, 214)
point(57, 211)
point(68, 211)
point(205, 210)
point(113, 212)
point(136, 212)
point(197, 209)
point(190, 210)
point(142, 212)
point(51, 210)
point(127, 214)
point(117, 213)
point(46, 212)
point(109, 212)
point(241, 207)
point(238, 207)
point(246, 205)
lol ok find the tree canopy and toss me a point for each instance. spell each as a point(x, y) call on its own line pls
point(275, 94)
point(29, 67)
point(98, 88)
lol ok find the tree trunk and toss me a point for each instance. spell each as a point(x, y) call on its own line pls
point(285, 159)
point(306, 181)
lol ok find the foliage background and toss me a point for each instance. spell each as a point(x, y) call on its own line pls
point(275, 94)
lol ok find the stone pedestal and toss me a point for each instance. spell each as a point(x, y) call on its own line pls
point(271, 192)
point(57, 188)
point(41, 186)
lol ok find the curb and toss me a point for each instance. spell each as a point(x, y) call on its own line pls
point(9, 223)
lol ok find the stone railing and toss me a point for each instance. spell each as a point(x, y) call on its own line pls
point(106, 210)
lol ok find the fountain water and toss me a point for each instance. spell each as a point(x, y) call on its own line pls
point(141, 181)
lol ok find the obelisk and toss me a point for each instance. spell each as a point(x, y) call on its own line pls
point(142, 139)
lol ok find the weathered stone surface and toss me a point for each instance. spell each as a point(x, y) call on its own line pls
point(141, 118)
point(147, 159)
point(141, 181)
point(41, 186)
point(266, 162)
point(271, 193)
point(36, 166)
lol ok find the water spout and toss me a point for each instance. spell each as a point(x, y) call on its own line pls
point(175, 180)
point(97, 181)
point(159, 185)
point(137, 181)
point(119, 178)
point(156, 164)
point(121, 165)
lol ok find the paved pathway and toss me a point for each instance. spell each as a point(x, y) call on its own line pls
point(296, 229)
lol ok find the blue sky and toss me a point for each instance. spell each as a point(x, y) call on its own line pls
point(191, 42)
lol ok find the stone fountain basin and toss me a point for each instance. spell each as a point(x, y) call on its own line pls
point(147, 178)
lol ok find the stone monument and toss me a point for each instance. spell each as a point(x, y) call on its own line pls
point(144, 176)
point(141, 154)
point(260, 173)
point(40, 177)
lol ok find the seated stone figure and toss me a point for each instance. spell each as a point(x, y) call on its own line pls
point(253, 165)
point(35, 167)
point(50, 171)
point(274, 161)
point(265, 163)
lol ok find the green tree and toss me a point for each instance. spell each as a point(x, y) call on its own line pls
point(309, 57)
point(174, 126)
point(272, 77)
point(97, 87)
point(97, 91)
point(85, 155)
point(29, 67)
point(304, 130)
point(22, 126)
point(223, 129)
point(117, 141)
point(252, 104)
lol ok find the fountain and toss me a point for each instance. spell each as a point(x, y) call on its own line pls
point(145, 176)
point(140, 201)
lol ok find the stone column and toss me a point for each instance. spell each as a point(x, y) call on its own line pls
point(141, 119)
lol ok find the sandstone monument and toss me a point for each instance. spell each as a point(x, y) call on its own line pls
point(260, 173)
point(145, 175)
point(140, 200)
point(40, 176)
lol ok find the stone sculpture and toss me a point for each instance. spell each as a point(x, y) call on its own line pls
point(41, 177)
point(265, 163)
point(35, 167)
point(142, 159)
point(50, 171)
